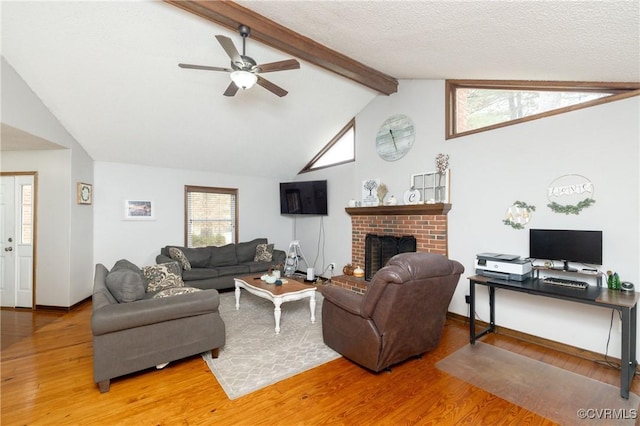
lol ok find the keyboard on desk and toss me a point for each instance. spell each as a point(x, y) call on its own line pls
point(565, 283)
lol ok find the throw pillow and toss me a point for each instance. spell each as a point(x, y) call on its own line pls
point(264, 253)
point(177, 254)
point(126, 285)
point(125, 264)
point(247, 250)
point(175, 291)
point(163, 276)
point(198, 257)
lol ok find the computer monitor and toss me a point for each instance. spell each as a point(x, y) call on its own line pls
point(566, 245)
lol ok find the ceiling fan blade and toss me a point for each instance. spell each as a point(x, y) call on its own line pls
point(276, 90)
point(231, 50)
point(289, 64)
point(232, 89)
point(204, 67)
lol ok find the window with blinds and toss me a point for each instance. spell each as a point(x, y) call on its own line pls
point(211, 216)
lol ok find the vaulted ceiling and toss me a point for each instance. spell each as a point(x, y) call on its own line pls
point(108, 70)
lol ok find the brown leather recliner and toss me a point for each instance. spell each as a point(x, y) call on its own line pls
point(401, 315)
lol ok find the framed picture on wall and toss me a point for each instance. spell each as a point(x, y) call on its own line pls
point(139, 210)
point(85, 193)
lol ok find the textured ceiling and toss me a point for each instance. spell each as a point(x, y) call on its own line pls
point(523, 40)
point(108, 70)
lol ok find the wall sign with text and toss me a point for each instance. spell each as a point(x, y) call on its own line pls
point(570, 194)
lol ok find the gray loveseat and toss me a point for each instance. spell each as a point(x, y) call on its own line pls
point(141, 331)
point(215, 267)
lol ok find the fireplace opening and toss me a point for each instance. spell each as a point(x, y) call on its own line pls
point(380, 248)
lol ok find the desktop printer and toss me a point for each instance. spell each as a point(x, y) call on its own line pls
point(503, 266)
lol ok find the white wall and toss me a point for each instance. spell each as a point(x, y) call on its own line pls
point(81, 229)
point(64, 273)
point(53, 273)
point(490, 171)
point(326, 239)
point(140, 241)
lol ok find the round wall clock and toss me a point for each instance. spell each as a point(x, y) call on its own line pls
point(395, 137)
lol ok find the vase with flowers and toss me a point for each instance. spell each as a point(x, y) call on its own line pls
point(276, 270)
point(382, 192)
point(442, 164)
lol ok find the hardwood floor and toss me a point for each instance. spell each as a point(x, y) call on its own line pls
point(47, 378)
point(16, 324)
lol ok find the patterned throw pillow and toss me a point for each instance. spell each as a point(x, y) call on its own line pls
point(175, 291)
point(162, 276)
point(264, 253)
point(177, 254)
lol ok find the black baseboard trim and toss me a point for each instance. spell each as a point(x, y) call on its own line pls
point(17, 309)
point(63, 308)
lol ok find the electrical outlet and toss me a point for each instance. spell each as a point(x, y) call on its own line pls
point(467, 299)
point(332, 266)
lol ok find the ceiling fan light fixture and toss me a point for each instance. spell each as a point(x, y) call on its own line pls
point(244, 79)
point(243, 70)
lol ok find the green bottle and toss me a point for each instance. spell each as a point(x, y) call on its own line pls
point(610, 280)
point(616, 281)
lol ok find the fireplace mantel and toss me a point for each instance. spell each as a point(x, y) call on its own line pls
point(410, 209)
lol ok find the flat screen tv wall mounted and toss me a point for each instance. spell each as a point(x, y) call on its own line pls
point(566, 245)
point(307, 197)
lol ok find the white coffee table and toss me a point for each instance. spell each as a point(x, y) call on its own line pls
point(278, 294)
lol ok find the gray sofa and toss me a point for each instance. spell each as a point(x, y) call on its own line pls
point(141, 331)
point(215, 267)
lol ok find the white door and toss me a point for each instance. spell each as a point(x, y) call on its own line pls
point(17, 195)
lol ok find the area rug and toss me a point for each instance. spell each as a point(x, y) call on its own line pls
point(254, 356)
point(551, 392)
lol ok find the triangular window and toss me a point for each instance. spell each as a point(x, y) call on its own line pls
point(477, 105)
point(340, 150)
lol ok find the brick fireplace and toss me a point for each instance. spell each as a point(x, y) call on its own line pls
point(426, 222)
point(380, 248)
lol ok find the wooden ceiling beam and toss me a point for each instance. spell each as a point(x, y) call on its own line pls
point(232, 15)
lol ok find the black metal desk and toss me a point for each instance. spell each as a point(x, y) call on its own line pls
point(626, 303)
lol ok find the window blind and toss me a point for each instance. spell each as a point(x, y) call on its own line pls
point(211, 216)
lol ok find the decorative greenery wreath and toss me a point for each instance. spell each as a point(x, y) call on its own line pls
point(522, 205)
point(571, 209)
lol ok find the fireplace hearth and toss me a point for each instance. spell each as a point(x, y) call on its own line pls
point(380, 248)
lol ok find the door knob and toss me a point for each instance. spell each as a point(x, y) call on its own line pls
point(10, 240)
point(8, 249)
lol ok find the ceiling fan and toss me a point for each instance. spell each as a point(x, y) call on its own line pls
point(244, 70)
